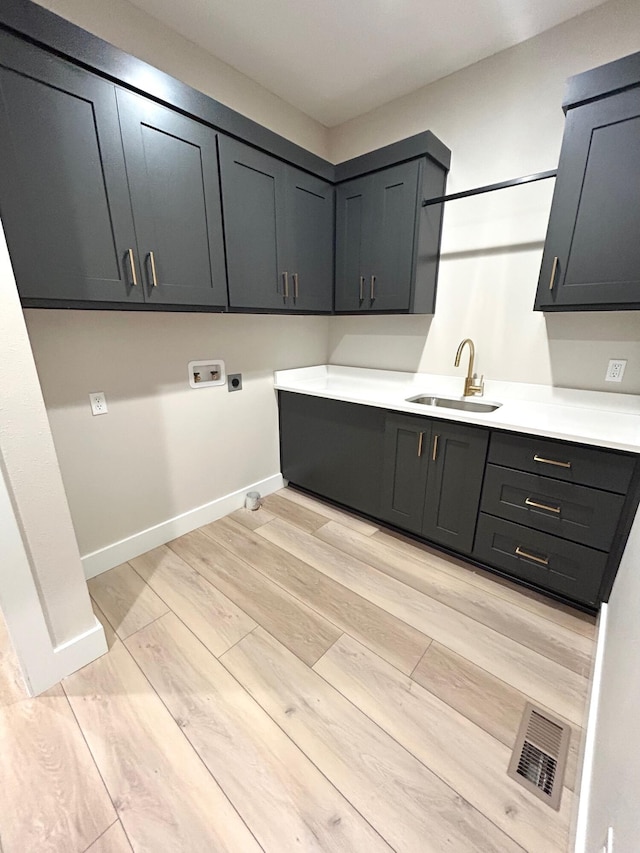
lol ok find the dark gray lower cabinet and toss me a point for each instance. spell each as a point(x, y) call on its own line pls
point(406, 461)
point(64, 197)
point(334, 449)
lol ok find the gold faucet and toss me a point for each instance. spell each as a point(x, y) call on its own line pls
point(469, 388)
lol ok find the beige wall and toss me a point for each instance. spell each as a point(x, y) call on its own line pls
point(132, 30)
point(501, 118)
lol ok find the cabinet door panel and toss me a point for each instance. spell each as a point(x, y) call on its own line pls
point(172, 166)
point(406, 455)
point(454, 484)
point(353, 244)
point(593, 223)
point(253, 197)
point(394, 229)
point(64, 197)
point(333, 449)
point(310, 238)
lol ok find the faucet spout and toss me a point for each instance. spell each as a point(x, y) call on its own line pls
point(469, 387)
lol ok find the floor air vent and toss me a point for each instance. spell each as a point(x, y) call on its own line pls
point(540, 755)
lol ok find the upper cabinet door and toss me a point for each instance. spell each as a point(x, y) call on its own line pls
point(592, 251)
point(394, 224)
point(254, 201)
point(310, 218)
point(172, 165)
point(354, 243)
point(64, 197)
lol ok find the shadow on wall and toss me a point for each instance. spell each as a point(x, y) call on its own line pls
point(389, 342)
point(581, 344)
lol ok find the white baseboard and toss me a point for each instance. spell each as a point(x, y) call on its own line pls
point(126, 549)
point(590, 738)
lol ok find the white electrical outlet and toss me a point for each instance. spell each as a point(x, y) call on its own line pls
point(615, 371)
point(98, 403)
point(607, 846)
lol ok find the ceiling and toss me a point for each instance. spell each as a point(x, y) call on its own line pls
point(335, 59)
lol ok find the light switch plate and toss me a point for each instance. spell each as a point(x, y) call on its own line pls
point(98, 403)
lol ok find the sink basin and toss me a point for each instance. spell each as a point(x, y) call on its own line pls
point(453, 403)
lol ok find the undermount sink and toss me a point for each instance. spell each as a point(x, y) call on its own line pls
point(453, 403)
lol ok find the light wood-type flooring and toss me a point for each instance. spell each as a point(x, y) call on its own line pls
point(295, 679)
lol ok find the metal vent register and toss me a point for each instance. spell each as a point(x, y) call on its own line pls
point(540, 755)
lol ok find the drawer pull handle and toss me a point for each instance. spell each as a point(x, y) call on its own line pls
point(542, 560)
point(132, 264)
point(420, 440)
point(373, 287)
point(435, 447)
point(154, 277)
point(361, 288)
point(296, 291)
point(552, 281)
point(555, 462)
point(535, 504)
point(285, 283)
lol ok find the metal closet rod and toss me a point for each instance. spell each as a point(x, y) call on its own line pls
point(503, 185)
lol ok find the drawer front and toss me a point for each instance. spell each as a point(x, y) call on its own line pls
point(547, 561)
point(584, 515)
point(586, 466)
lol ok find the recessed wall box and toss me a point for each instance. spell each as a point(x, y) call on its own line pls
point(203, 374)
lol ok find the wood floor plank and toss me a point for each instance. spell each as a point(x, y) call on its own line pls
point(303, 517)
point(330, 512)
point(464, 756)
point(514, 593)
point(252, 519)
point(556, 642)
point(126, 600)
point(300, 629)
point(408, 805)
point(394, 640)
point(165, 797)
point(113, 840)
point(212, 617)
point(52, 796)
point(546, 681)
point(288, 804)
point(12, 686)
point(486, 700)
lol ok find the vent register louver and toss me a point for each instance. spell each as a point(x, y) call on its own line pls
point(540, 755)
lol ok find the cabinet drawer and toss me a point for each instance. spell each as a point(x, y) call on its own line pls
point(547, 561)
point(587, 466)
point(587, 516)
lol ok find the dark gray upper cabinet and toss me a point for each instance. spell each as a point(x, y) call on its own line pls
point(172, 167)
point(387, 243)
point(64, 198)
point(592, 252)
point(456, 471)
point(278, 230)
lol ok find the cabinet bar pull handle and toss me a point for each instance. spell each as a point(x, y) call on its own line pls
point(537, 458)
point(420, 439)
point(295, 285)
point(529, 502)
point(154, 277)
point(373, 287)
point(361, 288)
point(435, 448)
point(285, 281)
point(132, 262)
point(552, 280)
point(544, 561)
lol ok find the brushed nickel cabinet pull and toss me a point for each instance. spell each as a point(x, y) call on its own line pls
point(544, 561)
point(537, 458)
point(535, 504)
point(285, 282)
point(295, 285)
point(132, 263)
point(420, 440)
point(154, 277)
point(361, 288)
point(552, 281)
point(373, 287)
point(435, 448)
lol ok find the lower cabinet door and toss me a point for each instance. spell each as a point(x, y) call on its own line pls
point(553, 564)
point(406, 460)
point(333, 448)
point(457, 457)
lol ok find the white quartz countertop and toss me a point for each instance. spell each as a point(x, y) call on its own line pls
point(588, 417)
